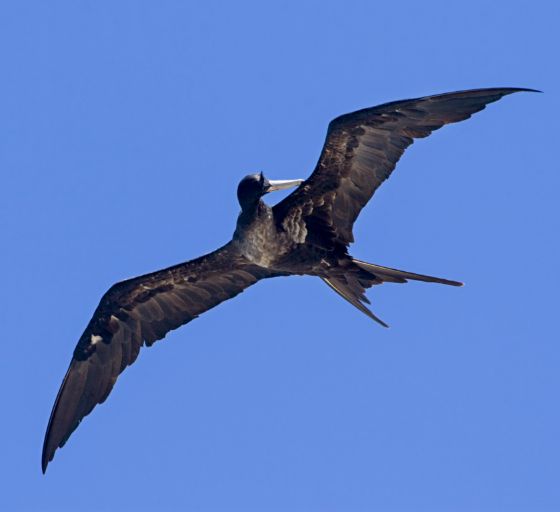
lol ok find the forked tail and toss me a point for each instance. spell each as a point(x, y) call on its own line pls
point(393, 275)
point(352, 281)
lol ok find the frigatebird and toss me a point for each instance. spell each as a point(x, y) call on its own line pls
point(307, 233)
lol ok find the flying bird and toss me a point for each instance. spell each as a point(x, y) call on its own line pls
point(307, 233)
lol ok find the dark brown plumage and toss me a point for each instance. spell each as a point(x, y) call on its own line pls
point(362, 148)
point(306, 233)
point(137, 312)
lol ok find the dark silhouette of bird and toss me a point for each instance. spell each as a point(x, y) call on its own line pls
point(307, 233)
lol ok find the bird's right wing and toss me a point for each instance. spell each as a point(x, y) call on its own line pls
point(136, 312)
point(360, 152)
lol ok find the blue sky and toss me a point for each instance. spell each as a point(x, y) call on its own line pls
point(124, 129)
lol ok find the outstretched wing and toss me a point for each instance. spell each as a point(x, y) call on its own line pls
point(140, 311)
point(360, 152)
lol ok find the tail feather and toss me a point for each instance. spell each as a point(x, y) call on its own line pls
point(350, 281)
point(400, 276)
point(344, 290)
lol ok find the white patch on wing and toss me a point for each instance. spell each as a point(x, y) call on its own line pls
point(95, 339)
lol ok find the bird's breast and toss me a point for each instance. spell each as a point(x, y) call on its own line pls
point(261, 242)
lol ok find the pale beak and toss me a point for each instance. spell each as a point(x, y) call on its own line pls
point(274, 185)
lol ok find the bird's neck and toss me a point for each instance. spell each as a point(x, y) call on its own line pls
point(256, 235)
point(252, 216)
point(250, 212)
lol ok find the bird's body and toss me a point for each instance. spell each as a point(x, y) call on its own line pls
point(263, 240)
point(258, 239)
point(307, 233)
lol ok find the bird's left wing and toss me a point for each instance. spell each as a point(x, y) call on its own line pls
point(140, 311)
point(360, 152)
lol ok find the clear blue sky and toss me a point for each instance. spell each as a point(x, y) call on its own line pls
point(124, 129)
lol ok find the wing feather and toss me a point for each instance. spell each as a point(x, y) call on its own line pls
point(360, 152)
point(139, 312)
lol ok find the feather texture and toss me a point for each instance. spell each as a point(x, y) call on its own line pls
point(139, 312)
point(360, 152)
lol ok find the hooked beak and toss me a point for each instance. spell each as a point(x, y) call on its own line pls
point(274, 185)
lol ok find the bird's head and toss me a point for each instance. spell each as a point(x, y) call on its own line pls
point(253, 186)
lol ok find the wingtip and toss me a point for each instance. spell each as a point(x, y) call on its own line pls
point(449, 282)
point(45, 461)
point(524, 89)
